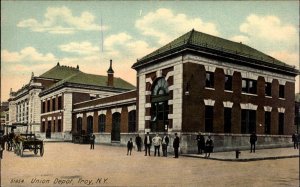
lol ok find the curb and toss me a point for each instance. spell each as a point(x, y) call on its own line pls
point(243, 159)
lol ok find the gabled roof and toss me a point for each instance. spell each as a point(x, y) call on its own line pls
point(210, 44)
point(60, 72)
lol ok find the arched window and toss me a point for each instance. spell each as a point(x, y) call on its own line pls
point(159, 106)
point(89, 125)
point(132, 121)
point(79, 125)
point(101, 123)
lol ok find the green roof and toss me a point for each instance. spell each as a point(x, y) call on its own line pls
point(204, 41)
point(94, 80)
point(60, 72)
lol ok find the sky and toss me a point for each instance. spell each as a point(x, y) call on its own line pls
point(35, 35)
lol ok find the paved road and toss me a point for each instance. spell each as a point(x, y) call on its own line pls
point(66, 164)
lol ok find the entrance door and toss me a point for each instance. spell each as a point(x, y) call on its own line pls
point(115, 132)
point(89, 125)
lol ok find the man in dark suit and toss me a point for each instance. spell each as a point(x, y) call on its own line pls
point(176, 145)
point(147, 143)
point(138, 142)
point(200, 143)
point(129, 146)
point(253, 139)
point(165, 143)
point(92, 140)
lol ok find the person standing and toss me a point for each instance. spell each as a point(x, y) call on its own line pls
point(209, 146)
point(138, 142)
point(200, 143)
point(253, 139)
point(165, 143)
point(129, 146)
point(147, 143)
point(156, 142)
point(295, 140)
point(92, 140)
point(176, 145)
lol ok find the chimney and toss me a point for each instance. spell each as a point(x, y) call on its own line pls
point(110, 75)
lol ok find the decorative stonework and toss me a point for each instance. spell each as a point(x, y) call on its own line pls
point(267, 108)
point(281, 110)
point(101, 112)
point(248, 106)
point(90, 114)
point(209, 102)
point(227, 104)
point(79, 115)
point(114, 110)
point(210, 68)
point(131, 108)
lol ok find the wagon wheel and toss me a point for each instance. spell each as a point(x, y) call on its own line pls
point(35, 149)
point(42, 150)
point(21, 149)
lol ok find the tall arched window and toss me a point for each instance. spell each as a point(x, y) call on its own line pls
point(79, 125)
point(89, 125)
point(101, 123)
point(132, 121)
point(159, 106)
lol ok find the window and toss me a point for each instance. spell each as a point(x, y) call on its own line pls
point(48, 105)
point(132, 121)
point(43, 126)
point(59, 129)
point(79, 125)
point(101, 123)
point(248, 121)
point(268, 88)
point(280, 123)
point(54, 127)
point(209, 80)
point(281, 91)
point(228, 82)
point(227, 120)
point(267, 122)
point(53, 104)
point(59, 103)
point(249, 86)
point(44, 107)
point(209, 118)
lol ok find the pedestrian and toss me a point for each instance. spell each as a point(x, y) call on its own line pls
point(138, 142)
point(165, 143)
point(253, 139)
point(200, 143)
point(295, 140)
point(176, 145)
point(129, 146)
point(156, 142)
point(147, 143)
point(209, 147)
point(92, 140)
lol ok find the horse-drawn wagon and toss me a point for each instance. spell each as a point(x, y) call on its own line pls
point(22, 142)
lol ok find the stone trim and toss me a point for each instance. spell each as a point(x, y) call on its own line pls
point(268, 79)
point(267, 108)
point(149, 80)
point(43, 119)
point(114, 110)
point(249, 75)
point(227, 104)
point(228, 71)
point(282, 82)
point(147, 93)
point(169, 74)
point(102, 112)
point(49, 118)
point(281, 110)
point(248, 106)
point(209, 102)
point(210, 68)
point(158, 73)
point(148, 105)
point(147, 118)
point(90, 114)
point(79, 115)
point(131, 108)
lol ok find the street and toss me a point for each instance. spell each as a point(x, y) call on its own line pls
point(67, 164)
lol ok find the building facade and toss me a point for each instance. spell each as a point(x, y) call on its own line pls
point(201, 83)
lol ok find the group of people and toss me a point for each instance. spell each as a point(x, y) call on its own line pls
point(157, 142)
point(204, 146)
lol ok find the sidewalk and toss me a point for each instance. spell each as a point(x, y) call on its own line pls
point(260, 154)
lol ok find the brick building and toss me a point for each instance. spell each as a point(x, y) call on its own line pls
point(200, 82)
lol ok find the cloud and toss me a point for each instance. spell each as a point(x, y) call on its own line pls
point(123, 45)
point(60, 20)
point(268, 28)
point(83, 48)
point(25, 55)
point(165, 25)
point(287, 57)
